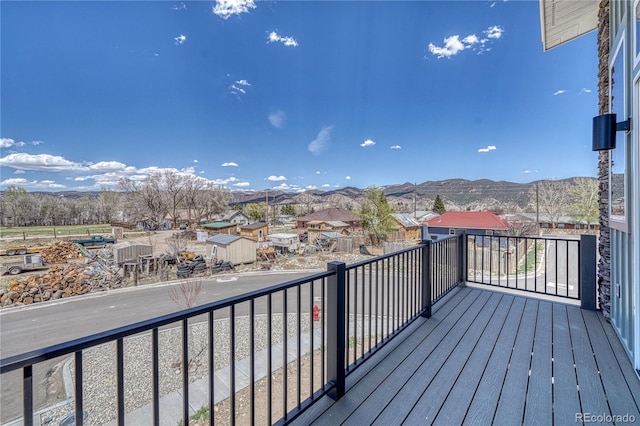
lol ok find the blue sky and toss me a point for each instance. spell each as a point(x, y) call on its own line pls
point(289, 94)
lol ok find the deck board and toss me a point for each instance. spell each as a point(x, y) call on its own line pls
point(486, 357)
point(539, 407)
point(592, 396)
point(454, 409)
point(411, 390)
point(514, 389)
point(610, 372)
point(433, 397)
point(565, 384)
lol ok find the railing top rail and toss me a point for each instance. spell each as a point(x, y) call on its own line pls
point(32, 357)
point(385, 256)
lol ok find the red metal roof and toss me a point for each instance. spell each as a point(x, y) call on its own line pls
point(468, 220)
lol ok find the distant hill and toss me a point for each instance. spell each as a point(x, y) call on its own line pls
point(457, 194)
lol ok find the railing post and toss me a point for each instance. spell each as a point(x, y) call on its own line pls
point(426, 279)
point(336, 329)
point(462, 257)
point(587, 261)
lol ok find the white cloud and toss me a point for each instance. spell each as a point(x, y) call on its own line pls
point(396, 147)
point(227, 8)
point(559, 92)
point(321, 142)
point(180, 39)
point(229, 164)
point(277, 119)
point(276, 178)
point(494, 32)
point(287, 187)
point(180, 6)
point(111, 166)
point(326, 185)
point(368, 142)
point(239, 87)
point(487, 149)
point(274, 37)
point(45, 184)
point(311, 187)
point(347, 177)
point(318, 172)
point(195, 161)
point(471, 39)
point(493, 4)
point(453, 45)
point(242, 184)
point(8, 143)
point(585, 90)
point(42, 162)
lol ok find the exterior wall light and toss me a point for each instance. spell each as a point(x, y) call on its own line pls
point(604, 131)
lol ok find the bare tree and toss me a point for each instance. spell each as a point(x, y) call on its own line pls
point(144, 200)
point(551, 198)
point(192, 197)
point(584, 194)
point(174, 185)
point(109, 202)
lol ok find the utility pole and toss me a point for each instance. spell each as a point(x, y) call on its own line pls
point(414, 201)
point(537, 208)
point(267, 216)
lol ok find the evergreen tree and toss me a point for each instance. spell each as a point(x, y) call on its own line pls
point(376, 215)
point(438, 205)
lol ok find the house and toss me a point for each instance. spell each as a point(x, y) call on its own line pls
point(256, 231)
point(221, 228)
point(477, 223)
point(409, 228)
point(330, 215)
point(232, 216)
point(232, 248)
point(545, 221)
point(619, 151)
point(423, 216)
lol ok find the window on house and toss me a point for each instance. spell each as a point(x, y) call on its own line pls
point(617, 156)
point(452, 232)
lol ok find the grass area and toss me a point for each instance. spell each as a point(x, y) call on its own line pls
point(54, 231)
point(533, 258)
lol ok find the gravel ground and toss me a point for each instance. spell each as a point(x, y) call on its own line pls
point(99, 364)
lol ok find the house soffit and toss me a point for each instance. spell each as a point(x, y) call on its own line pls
point(564, 20)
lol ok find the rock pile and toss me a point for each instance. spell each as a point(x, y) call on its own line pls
point(58, 283)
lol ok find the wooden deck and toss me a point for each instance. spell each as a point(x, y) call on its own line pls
point(486, 357)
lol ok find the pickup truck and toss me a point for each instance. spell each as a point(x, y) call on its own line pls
point(93, 241)
point(29, 262)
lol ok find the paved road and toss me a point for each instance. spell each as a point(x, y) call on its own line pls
point(42, 325)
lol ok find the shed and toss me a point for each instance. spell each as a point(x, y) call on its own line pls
point(255, 231)
point(129, 251)
point(221, 227)
point(284, 242)
point(233, 248)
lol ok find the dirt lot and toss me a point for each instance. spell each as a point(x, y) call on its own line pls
point(164, 241)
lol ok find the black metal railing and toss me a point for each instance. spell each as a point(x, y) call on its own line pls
point(562, 267)
point(281, 348)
